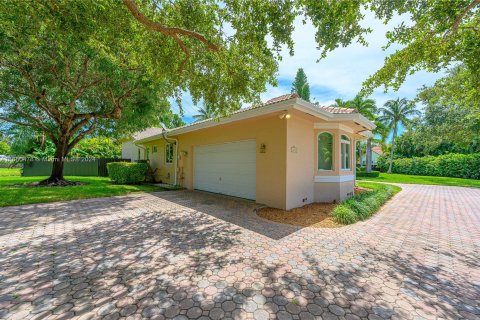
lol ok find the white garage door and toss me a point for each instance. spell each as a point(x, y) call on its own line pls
point(227, 168)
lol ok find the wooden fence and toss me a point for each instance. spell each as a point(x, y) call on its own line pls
point(72, 167)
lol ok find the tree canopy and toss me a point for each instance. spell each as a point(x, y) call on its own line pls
point(451, 119)
point(300, 85)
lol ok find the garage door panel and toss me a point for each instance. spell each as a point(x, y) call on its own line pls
point(228, 168)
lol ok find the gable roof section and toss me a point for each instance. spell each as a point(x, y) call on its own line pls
point(337, 110)
point(272, 105)
point(377, 150)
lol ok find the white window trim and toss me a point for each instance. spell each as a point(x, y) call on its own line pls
point(333, 152)
point(166, 153)
point(349, 144)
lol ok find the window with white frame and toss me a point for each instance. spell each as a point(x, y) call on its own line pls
point(345, 152)
point(325, 151)
point(169, 153)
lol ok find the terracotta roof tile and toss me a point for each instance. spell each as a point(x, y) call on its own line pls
point(333, 109)
point(282, 98)
point(377, 150)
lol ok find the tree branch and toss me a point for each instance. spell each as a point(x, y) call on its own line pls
point(172, 32)
point(81, 136)
point(462, 14)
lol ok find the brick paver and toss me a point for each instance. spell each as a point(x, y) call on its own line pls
point(194, 255)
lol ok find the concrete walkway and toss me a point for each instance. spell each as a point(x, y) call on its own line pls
point(187, 254)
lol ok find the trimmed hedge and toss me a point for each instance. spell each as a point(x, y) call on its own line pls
point(363, 205)
point(127, 172)
point(372, 174)
point(453, 165)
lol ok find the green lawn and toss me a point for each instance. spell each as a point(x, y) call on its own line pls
point(95, 187)
point(404, 178)
point(9, 172)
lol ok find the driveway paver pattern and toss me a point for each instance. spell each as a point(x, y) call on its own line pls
point(193, 255)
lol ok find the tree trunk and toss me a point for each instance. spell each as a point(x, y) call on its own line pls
point(56, 177)
point(392, 148)
point(359, 148)
point(368, 165)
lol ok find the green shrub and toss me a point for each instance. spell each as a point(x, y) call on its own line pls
point(363, 205)
point(127, 172)
point(448, 165)
point(344, 215)
point(371, 174)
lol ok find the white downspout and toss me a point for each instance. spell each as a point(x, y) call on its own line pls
point(176, 154)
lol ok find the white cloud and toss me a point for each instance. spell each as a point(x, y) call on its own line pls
point(342, 72)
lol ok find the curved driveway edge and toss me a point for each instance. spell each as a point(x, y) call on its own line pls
point(188, 254)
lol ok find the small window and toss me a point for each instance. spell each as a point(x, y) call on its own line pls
point(169, 153)
point(325, 148)
point(154, 149)
point(345, 152)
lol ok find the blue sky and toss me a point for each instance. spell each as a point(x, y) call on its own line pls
point(341, 73)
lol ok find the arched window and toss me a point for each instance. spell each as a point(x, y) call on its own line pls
point(345, 150)
point(325, 151)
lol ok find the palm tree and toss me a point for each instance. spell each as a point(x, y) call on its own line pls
point(368, 108)
point(340, 103)
point(205, 112)
point(394, 113)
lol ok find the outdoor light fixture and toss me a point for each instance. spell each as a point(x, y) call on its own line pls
point(285, 115)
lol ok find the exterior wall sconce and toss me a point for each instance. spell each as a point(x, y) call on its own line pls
point(285, 115)
point(293, 149)
point(263, 148)
point(184, 153)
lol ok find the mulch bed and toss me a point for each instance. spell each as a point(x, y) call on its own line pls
point(315, 215)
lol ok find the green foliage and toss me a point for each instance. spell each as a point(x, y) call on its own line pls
point(366, 107)
point(300, 85)
point(393, 114)
point(372, 174)
point(448, 165)
point(127, 172)
point(100, 147)
point(440, 34)
point(204, 113)
point(4, 148)
point(363, 205)
point(451, 121)
point(344, 215)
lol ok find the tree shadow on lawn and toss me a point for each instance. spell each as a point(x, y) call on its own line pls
point(184, 262)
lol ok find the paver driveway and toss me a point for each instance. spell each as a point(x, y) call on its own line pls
point(189, 254)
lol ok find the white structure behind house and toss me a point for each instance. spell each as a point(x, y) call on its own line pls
point(376, 152)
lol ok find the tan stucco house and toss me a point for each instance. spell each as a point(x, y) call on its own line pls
point(284, 153)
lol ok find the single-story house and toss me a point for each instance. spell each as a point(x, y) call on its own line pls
point(284, 153)
point(376, 152)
